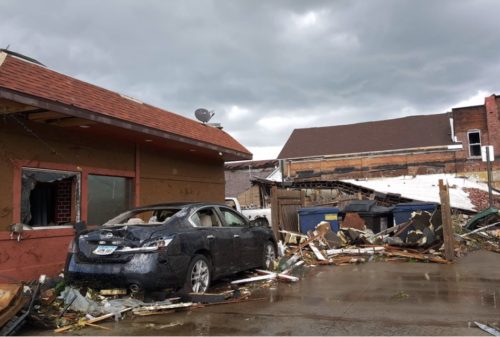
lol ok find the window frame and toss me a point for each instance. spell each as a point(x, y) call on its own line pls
point(469, 132)
point(217, 215)
point(84, 171)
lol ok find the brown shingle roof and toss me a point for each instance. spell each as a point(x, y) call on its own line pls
point(254, 164)
point(32, 79)
point(393, 134)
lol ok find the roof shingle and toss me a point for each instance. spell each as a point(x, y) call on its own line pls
point(28, 78)
point(393, 134)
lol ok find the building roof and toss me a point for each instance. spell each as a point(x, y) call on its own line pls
point(25, 77)
point(394, 134)
point(254, 164)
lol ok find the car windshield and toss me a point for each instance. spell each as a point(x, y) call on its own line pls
point(143, 217)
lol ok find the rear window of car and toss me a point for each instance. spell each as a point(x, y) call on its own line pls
point(143, 217)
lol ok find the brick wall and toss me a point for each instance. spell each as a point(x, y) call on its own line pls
point(493, 119)
point(63, 201)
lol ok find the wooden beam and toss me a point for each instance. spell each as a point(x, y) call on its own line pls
point(71, 121)
point(43, 115)
point(448, 238)
point(8, 107)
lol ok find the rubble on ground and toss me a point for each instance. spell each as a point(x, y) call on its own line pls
point(52, 304)
point(418, 239)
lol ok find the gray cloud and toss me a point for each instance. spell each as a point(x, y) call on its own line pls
point(270, 66)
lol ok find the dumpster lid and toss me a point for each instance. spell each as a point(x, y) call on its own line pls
point(359, 206)
point(318, 210)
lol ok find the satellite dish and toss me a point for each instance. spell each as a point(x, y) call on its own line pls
point(203, 115)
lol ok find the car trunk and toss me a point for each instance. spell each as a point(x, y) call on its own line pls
point(115, 239)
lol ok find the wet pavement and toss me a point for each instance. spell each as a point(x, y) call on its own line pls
point(377, 298)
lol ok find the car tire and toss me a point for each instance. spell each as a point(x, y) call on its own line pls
point(261, 222)
point(198, 275)
point(268, 255)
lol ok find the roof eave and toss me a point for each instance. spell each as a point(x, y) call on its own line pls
point(444, 147)
point(42, 103)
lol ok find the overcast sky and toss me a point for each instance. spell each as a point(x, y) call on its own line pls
point(267, 67)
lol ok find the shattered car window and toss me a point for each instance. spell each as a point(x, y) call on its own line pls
point(143, 217)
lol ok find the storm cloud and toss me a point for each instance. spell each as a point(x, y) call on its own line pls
point(267, 67)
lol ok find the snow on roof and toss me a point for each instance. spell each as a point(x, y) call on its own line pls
point(426, 187)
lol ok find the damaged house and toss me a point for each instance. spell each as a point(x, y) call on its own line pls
point(72, 152)
point(416, 145)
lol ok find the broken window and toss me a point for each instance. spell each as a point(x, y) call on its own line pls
point(107, 197)
point(232, 219)
point(205, 217)
point(474, 138)
point(49, 197)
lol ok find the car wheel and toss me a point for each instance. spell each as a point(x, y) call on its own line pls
point(198, 275)
point(269, 255)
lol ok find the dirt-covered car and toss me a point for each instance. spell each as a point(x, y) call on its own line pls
point(181, 246)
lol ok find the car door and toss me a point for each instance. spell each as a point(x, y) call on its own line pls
point(219, 241)
point(245, 245)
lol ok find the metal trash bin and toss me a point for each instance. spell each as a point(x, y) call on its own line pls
point(311, 216)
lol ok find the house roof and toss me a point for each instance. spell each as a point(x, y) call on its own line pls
point(28, 78)
point(394, 134)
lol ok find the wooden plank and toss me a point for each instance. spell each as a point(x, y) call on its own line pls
point(274, 213)
point(255, 279)
point(449, 251)
point(316, 252)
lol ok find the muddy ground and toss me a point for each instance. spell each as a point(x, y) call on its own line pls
point(377, 298)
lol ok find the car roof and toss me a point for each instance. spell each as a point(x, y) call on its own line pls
point(177, 205)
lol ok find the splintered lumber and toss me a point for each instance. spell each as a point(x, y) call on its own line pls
point(159, 308)
point(254, 279)
point(356, 251)
point(420, 257)
point(316, 252)
point(282, 276)
point(90, 321)
point(480, 229)
point(389, 230)
point(305, 243)
point(488, 329)
point(299, 263)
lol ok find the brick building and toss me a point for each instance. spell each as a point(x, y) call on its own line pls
point(442, 143)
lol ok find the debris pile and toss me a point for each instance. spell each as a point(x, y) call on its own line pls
point(418, 239)
point(483, 231)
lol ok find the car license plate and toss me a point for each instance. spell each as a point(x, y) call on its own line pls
point(104, 250)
